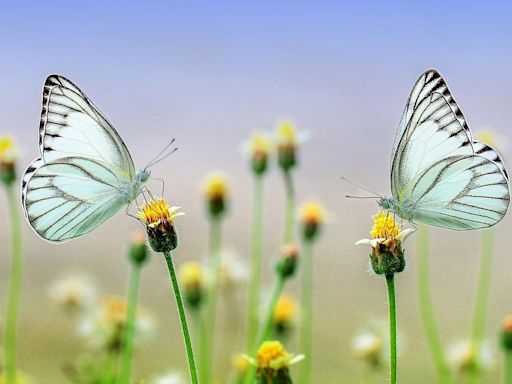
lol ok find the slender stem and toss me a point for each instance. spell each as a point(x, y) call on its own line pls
point(290, 208)
point(482, 301)
point(266, 326)
point(183, 318)
point(211, 304)
point(14, 287)
point(129, 331)
point(390, 282)
point(306, 329)
point(255, 278)
point(427, 310)
point(507, 374)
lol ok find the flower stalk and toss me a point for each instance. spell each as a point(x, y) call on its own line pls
point(390, 283)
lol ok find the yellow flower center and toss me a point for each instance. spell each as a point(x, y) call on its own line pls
point(384, 226)
point(273, 355)
point(286, 133)
point(259, 145)
point(8, 150)
point(157, 211)
point(285, 309)
point(215, 186)
point(191, 275)
point(312, 212)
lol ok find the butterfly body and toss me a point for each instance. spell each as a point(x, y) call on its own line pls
point(441, 175)
point(85, 173)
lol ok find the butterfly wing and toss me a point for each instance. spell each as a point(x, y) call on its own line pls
point(81, 177)
point(436, 164)
point(69, 197)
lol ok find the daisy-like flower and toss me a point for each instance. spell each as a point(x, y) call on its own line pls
point(464, 358)
point(9, 153)
point(312, 216)
point(216, 191)
point(158, 218)
point(273, 362)
point(506, 333)
point(192, 279)
point(104, 327)
point(287, 141)
point(73, 293)
point(387, 255)
point(259, 147)
point(491, 138)
point(171, 377)
point(369, 347)
point(285, 312)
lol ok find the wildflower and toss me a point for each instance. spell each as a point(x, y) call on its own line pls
point(387, 255)
point(259, 148)
point(506, 333)
point(312, 216)
point(287, 139)
point(464, 358)
point(368, 346)
point(273, 362)
point(171, 377)
point(138, 253)
point(158, 217)
point(287, 264)
point(9, 154)
point(491, 138)
point(216, 191)
point(240, 364)
point(192, 279)
point(104, 327)
point(233, 270)
point(73, 292)
point(284, 313)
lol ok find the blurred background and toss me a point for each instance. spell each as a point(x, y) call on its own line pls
point(209, 73)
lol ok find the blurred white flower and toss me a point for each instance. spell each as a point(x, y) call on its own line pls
point(104, 325)
point(73, 292)
point(462, 356)
point(171, 377)
point(233, 270)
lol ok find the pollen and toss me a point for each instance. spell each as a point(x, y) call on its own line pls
point(273, 355)
point(384, 226)
point(157, 211)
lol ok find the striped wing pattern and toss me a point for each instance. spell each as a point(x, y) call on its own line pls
point(437, 165)
point(80, 180)
point(69, 197)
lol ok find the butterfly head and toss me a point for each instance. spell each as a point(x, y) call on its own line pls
point(144, 175)
point(404, 210)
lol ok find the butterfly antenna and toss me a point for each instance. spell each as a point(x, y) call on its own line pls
point(361, 197)
point(376, 195)
point(162, 155)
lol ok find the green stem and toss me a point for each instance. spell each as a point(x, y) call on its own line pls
point(482, 300)
point(14, 288)
point(211, 304)
point(290, 208)
point(255, 278)
point(129, 332)
point(183, 318)
point(266, 326)
point(427, 310)
point(306, 329)
point(390, 282)
point(507, 374)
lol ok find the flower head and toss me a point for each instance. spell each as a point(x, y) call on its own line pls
point(9, 154)
point(287, 264)
point(138, 252)
point(158, 217)
point(273, 361)
point(491, 138)
point(506, 333)
point(233, 271)
point(464, 358)
point(284, 313)
point(387, 255)
point(73, 293)
point(104, 327)
point(312, 216)
point(193, 281)
point(259, 148)
point(216, 191)
point(287, 139)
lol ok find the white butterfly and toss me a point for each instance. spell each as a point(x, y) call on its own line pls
point(85, 173)
point(439, 174)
